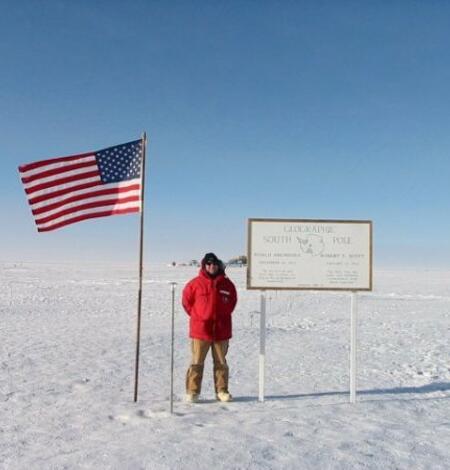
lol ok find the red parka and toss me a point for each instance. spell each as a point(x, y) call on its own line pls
point(209, 302)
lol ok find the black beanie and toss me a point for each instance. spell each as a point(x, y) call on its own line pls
point(210, 258)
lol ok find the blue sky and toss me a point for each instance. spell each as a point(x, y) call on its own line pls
point(253, 109)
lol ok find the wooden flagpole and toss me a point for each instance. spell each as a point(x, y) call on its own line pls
point(141, 252)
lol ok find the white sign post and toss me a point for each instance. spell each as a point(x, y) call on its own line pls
point(353, 347)
point(309, 254)
point(262, 345)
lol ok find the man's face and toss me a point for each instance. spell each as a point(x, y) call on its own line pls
point(211, 267)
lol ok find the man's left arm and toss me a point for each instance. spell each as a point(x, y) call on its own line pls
point(233, 297)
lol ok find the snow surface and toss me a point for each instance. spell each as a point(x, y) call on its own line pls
point(67, 369)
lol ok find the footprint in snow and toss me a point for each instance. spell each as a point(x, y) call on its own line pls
point(157, 413)
point(80, 385)
point(123, 418)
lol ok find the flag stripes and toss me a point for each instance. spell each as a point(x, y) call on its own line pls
point(65, 190)
point(41, 207)
point(41, 175)
point(86, 216)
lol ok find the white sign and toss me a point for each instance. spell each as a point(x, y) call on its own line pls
point(309, 254)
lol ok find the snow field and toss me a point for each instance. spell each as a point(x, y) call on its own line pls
point(67, 370)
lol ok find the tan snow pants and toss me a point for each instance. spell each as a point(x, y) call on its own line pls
point(194, 375)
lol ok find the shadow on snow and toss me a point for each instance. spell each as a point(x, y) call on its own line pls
point(429, 388)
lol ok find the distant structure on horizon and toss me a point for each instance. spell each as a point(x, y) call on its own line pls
point(238, 261)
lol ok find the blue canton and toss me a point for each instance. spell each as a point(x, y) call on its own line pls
point(120, 163)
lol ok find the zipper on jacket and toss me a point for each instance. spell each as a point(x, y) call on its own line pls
point(214, 292)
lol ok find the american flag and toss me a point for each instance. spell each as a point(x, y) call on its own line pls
point(65, 190)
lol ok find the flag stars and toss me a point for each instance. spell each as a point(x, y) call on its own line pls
point(120, 163)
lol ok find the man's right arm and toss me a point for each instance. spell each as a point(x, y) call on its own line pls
point(188, 297)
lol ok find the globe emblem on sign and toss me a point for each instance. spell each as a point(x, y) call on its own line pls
point(312, 244)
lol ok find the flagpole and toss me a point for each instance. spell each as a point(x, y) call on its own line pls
point(141, 252)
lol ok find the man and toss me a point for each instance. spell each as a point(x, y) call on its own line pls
point(209, 299)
